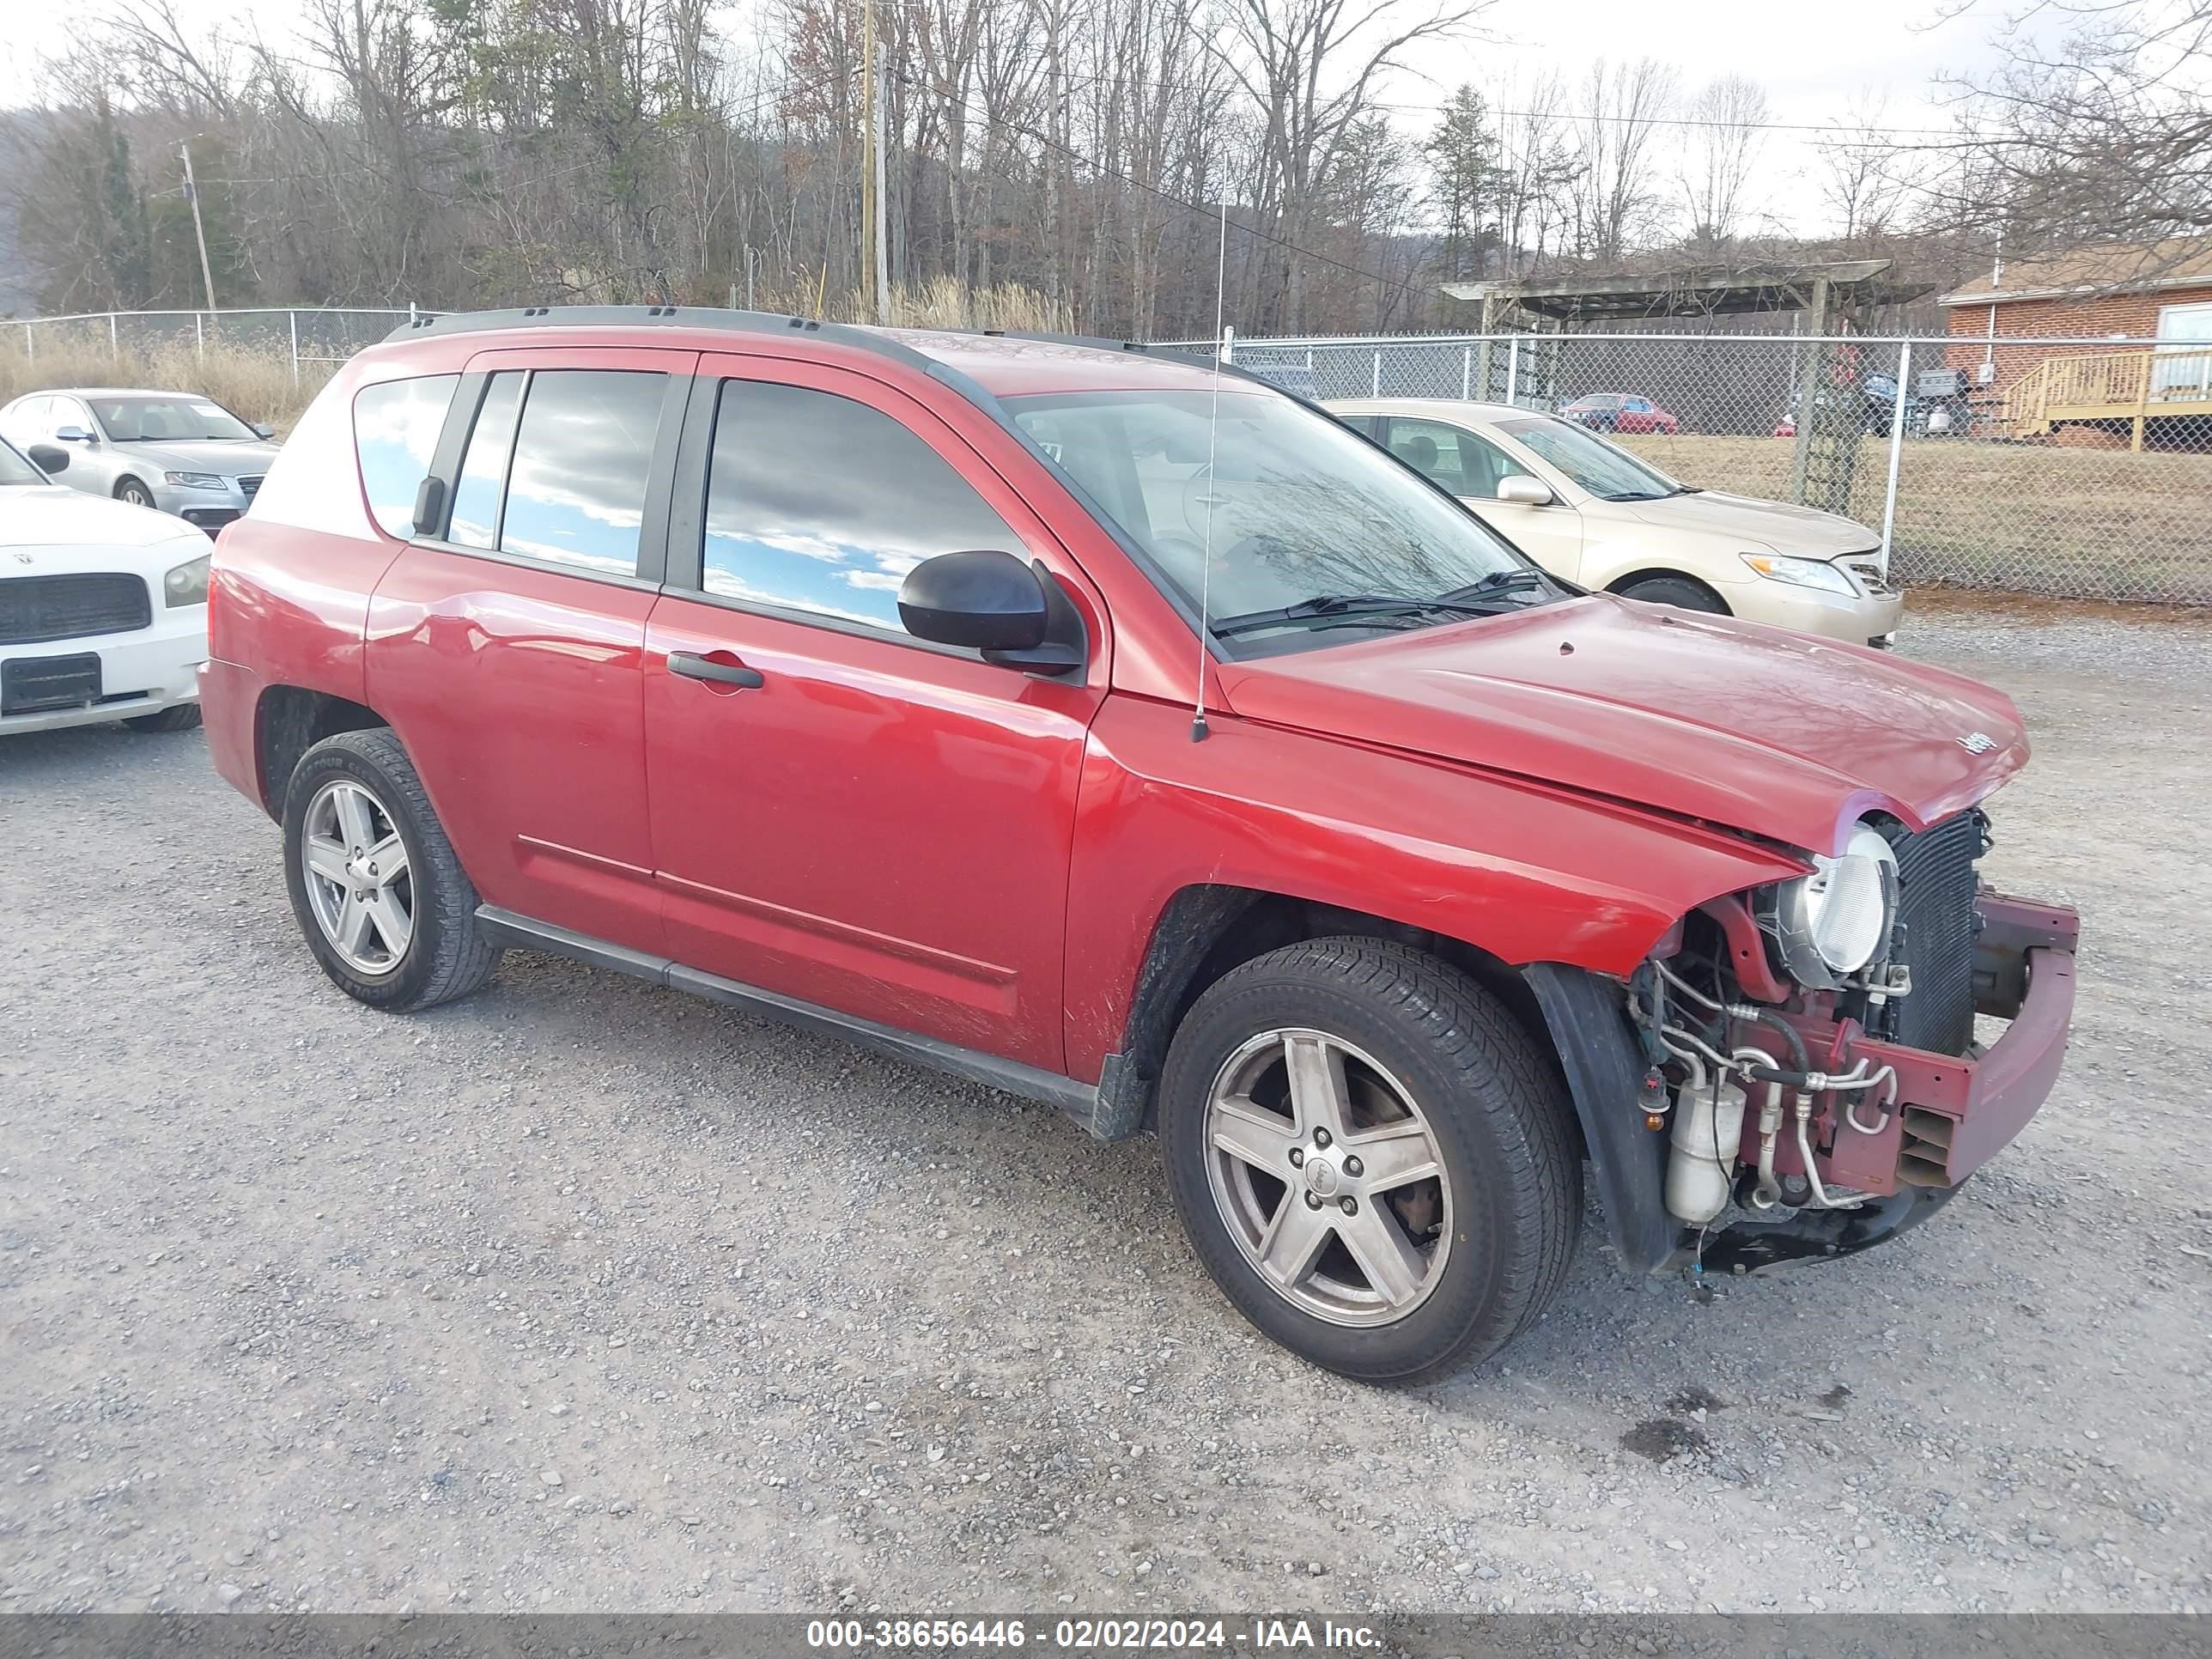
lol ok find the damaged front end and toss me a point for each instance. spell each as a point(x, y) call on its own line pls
point(1810, 1047)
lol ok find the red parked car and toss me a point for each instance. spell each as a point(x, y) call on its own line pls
point(1620, 411)
point(850, 677)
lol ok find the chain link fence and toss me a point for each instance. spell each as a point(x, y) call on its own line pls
point(2075, 468)
point(2069, 467)
point(311, 340)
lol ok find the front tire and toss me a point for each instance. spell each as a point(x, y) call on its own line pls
point(177, 717)
point(1680, 592)
point(1370, 1157)
point(135, 493)
point(375, 885)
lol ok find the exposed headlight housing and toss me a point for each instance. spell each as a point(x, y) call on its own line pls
point(188, 583)
point(196, 480)
point(1831, 923)
point(1800, 573)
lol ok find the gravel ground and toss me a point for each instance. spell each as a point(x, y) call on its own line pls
point(582, 1295)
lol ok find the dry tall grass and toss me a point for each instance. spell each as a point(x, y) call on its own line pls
point(942, 303)
point(254, 381)
point(258, 380)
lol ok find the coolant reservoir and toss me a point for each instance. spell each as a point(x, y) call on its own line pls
point(1701, 1169)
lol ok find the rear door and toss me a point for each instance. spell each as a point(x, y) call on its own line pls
point(505, 648)
point(874, 825)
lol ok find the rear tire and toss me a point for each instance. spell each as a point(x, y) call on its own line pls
point(1680, 592)
point(178, 717)
point(398, 933)
point(1468, 1198)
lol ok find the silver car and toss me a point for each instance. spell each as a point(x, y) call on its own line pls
point(175, 451)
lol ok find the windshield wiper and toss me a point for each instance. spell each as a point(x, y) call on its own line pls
point(1497, 581)
point(1329, 607)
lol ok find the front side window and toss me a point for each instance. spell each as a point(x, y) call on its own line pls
point(395, 433)
point(169, 421)
point(575, 493)
point(817, 503)
point(1609, 473)
point(1460, 461)
point(1275, 508)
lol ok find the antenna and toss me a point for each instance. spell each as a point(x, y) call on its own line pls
point(1198, 732)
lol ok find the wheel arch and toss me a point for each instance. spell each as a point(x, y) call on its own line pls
point(290, 719)
point(1574, 1016)
point(1670, 573)
point(1206, 929)
point(115, 488)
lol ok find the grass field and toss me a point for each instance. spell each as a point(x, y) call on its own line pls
point(2019, 518)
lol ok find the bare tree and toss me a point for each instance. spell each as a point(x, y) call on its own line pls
point(1863, 175)
point(1618, 155)
point(1310, 67)
point(1727, 126)
point(2101, 135)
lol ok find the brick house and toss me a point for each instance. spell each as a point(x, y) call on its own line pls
point(2127, 393)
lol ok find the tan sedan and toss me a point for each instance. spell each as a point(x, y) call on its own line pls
point(1589, 511)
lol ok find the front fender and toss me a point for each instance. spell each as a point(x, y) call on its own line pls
point(1523, 872)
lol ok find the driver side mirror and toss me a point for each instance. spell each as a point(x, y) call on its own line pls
point(48, 458)
point(263, 431)
point(72, 435)
point(992, 602)
point(1524, 491)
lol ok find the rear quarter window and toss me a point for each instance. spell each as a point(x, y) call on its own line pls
point(395, 433)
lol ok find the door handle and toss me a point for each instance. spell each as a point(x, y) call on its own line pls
point(731, 673)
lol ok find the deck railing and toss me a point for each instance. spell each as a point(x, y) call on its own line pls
point(2119, 386)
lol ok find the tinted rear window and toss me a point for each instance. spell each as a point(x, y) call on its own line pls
point(395, 433)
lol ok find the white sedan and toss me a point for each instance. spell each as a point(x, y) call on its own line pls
point(1588, 510)
point(103, 606)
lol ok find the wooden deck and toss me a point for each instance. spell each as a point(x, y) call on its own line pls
point(2142, 387)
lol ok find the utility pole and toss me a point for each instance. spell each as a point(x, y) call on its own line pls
point(877, 280)
point(199, 230)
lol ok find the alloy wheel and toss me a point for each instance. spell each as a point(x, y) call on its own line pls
point(359, 883)
point(1328, 1177)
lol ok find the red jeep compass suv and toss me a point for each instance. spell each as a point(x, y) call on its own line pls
point(850, 677)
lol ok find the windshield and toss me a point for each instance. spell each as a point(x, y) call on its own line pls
point(1607, 472)
point(1301, 510)
point(15, 467)
point(169, 421)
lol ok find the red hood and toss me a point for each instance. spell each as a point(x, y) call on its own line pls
point(1772, 733)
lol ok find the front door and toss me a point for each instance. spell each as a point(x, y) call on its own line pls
point(1471, 467)
point(842, 813)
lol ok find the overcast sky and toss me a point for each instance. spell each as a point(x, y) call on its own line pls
point(1815, 63)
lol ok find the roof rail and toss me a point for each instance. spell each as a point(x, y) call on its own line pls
point(708, 317)
point(1141, 349)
